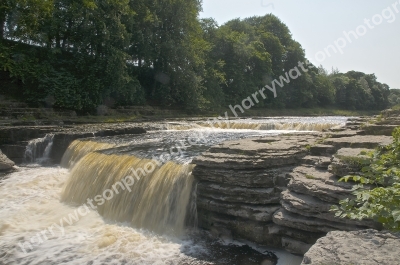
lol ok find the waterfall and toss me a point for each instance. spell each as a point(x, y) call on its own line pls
point(295, 126)
point(143, 192)
point(258, 125)
point(38, 150)
point(78, 149)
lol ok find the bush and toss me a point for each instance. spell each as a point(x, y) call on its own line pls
point(377, 194)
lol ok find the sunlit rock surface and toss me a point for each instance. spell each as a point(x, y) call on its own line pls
point(366, 247)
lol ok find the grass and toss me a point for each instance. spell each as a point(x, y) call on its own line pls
point(310, 176)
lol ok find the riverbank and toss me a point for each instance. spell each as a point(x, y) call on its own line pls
point(14, 113)
point(278, 191)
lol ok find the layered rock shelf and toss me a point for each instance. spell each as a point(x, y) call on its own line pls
point(14, 139)
point(278, 191)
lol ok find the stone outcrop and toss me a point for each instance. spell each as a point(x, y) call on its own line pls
point(278, 191)
point(366, 247)
point(240, 183)
point(5, 163)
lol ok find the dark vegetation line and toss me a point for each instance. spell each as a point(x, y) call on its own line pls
point(81, 54)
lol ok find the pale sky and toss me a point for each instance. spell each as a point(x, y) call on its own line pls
point(316, 24)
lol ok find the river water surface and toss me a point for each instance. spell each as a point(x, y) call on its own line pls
point(46, 217)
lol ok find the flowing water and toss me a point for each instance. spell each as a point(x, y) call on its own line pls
point(38, 150)
point(127, 199)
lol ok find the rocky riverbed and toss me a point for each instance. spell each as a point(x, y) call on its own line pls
point(278, 192)
point(275, 191)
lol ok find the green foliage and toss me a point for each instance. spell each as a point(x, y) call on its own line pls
point(377, 194)
point(356, 90)
point(81, 54)
point(394, 97)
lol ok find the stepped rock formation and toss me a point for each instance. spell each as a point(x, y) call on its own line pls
point(278, 191)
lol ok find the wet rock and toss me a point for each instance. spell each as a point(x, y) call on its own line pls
point(5, 163)
point(367, 247)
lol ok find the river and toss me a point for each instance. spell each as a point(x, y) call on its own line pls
point(75, 213)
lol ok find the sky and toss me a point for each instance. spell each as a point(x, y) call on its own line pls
point(319, 24)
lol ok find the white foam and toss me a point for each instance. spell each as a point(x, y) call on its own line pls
point(30, 203)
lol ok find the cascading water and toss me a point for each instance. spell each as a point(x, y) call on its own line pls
point(142, 192)
point(288, 123)
point(38, 150)
point(121, 202)
point(78, 149)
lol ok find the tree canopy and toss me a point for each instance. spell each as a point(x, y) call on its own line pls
point(81, 54)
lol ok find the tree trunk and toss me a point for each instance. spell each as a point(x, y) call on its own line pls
point(2, 22)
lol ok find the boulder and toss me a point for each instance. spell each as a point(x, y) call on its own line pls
point(366, 247)
point(5, 163)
